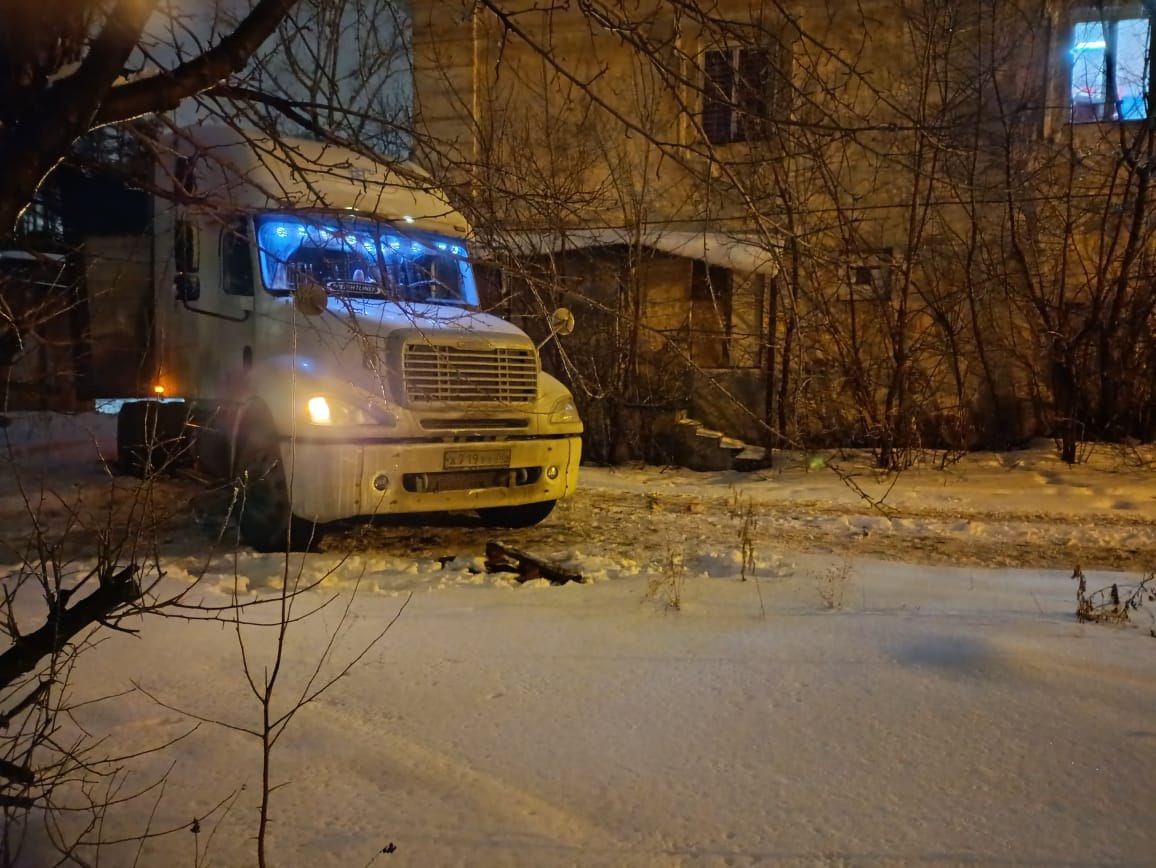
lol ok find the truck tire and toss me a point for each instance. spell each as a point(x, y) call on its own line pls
point(266, 520)
point(152, 437)
point(524, 515)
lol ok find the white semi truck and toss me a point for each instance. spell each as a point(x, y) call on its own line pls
point(317, 339)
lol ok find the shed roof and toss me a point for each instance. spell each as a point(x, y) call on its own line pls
point(728, 250)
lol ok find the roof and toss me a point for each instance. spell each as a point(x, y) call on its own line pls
point(728, 250)
point(32, 256)
point(239, 169)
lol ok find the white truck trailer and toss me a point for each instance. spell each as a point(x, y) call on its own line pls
point(317, 317)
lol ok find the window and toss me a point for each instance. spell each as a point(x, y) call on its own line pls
point(738, 91)
point(710, 283)
point(359, 257)
point(868, 277)
point(44, 216)
point(1110, 69)
point(710, 315)
point(120, 147)
point(236, 259)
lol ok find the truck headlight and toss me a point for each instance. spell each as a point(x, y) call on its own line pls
point(564, 411)
point(327, 410)
point(319, 412)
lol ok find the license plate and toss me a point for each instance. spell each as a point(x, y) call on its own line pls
point(476, 459)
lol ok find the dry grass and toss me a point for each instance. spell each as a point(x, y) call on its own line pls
point(1115, 603)
point(833, 584)
point(667, 586)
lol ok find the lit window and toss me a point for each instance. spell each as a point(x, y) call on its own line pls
point(44, 215)
point(1110, 70)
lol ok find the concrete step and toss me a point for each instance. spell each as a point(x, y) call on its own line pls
point(709, 434)
point(707, 449)
point(752, 458)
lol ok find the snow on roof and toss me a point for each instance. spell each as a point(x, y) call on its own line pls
point(250, 169)
point(728, 250)
point(32, 256)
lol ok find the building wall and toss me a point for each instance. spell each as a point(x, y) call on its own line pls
point(927, 140)
point(40, 315)
point(119, 277)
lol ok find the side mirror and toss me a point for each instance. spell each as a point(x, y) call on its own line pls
point(186, 259)
point(310, 297)
point(561, 321)
point(187, 285)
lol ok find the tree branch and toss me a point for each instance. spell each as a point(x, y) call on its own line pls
point(165, 90)
point(26, 652)
point(18, 773)
point(41, 688)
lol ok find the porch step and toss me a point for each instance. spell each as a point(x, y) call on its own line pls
point(700, 448)
point(751, 458)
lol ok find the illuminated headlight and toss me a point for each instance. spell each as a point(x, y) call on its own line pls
point(564, 411)
point(319, 412)
point(326, 410)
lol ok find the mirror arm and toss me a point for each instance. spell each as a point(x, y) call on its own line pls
point(561, 323)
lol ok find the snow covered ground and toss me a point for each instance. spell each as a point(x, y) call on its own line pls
point(891, 684)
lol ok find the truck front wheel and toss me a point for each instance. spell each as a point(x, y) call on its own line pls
point(524, 515)
point(267, 522)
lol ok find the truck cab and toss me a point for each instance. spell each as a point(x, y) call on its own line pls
point(317, 327)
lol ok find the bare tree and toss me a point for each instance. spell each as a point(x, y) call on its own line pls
point(80, 568)
point(65, 71)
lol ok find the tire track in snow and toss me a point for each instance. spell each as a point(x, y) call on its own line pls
point(486, 800)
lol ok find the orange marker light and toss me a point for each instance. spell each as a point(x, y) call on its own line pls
point(159, 389)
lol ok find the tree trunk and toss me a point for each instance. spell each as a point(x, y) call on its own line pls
point(770, 435)
point(1065, 400)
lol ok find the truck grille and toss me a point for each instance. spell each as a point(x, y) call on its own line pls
point(437, 373)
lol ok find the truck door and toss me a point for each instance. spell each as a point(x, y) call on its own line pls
point(211, 331)
point(235, 266)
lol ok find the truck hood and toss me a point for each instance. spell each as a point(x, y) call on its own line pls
point(373, 317)
point(360, 341)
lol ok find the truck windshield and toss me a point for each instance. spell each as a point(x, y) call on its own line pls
point(360, 257)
